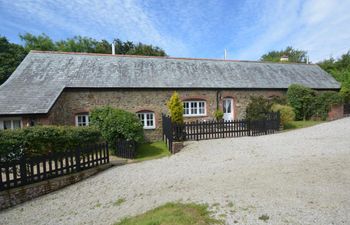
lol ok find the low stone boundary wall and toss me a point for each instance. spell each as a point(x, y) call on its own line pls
point(18, 195)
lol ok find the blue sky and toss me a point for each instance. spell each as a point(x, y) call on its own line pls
point(190, 28)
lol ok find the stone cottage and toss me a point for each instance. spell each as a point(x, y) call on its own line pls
point(62, 88)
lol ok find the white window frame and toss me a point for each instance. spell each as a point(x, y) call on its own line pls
point(82, 124)
point(189, 111)
point(12, 119)
point(144, 121)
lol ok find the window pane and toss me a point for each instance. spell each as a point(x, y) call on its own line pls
point(186, 108)
point(7, 124)
point(16, 124)
point(228, 106)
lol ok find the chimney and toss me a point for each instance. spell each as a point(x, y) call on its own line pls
point(113, 48)
point(225, 54)
point(284, 58)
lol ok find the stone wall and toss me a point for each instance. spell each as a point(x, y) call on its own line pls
point(75, 101)
point(336, 112)
point(18, 195)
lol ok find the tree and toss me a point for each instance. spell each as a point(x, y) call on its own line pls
point(11, 56)
point(340, 70)
point(41, 42)
point(176, 109)
point(294, 55)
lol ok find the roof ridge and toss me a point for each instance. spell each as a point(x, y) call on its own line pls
point(163, 57)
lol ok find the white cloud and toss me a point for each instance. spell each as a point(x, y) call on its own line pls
point(320, 27)
point(99, 19)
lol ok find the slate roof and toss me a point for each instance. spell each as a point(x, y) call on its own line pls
point(41, 77)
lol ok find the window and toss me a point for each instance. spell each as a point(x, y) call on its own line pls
point(10, 124)
point(82, 120)
point(147, 119)
point(194, 108)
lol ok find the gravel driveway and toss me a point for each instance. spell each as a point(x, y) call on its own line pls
point(296, 177)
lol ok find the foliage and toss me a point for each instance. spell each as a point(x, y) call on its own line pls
point(10, 57)
point(148, 151)
point(218, 114)
point(257, 108)
point(282, 100)
point(41, 140)
point(323, 103)
point(41, 42)
point(300, 124)
point(340, 70)
point(301, 98)
point(116, 123)
point(294, 55)
point(286, 113)
point(307, 102)
point(175, 214)
point(176, 109)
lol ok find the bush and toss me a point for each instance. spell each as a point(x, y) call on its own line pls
point(286, 113)
point(323, 103)
point(176, 108)
point(218, 114)
point(117, 124)
point(258, 108)
point(41, 140)
point(345, 92)
point(302, 100)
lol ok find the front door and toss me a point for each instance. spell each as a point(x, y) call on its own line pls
point(228, 109)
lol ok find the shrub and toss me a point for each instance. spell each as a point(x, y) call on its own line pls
point(41, 140)
point(286, 113)
point(218, 114)
point(302, 99)
point(176, 109)
point(281, 100)
point(258, 108)
point(323, 103)
point(345, 92)
point(116, 123)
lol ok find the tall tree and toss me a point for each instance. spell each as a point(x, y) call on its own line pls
point(294, 55)
point(11, 56)
point(340, 70)
point(41, 42)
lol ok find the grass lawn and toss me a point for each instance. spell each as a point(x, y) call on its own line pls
point(173, 214)
point(153, 150)
point(301, 124)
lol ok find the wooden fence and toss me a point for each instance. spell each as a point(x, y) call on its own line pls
point(347, 109)
point(30, 170)
point(168, 133)
point(203, 130)
point(125, 149)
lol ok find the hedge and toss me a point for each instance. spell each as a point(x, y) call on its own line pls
point(41, 140)
point(258, 108)
point(117, 124)
point(286, 113)
point(308, 103)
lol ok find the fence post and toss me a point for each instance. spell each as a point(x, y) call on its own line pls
point(249, 127)
point(107, 151)
point(77, 158)
point(23, 170)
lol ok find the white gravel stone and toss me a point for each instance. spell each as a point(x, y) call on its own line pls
point(295, 177)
